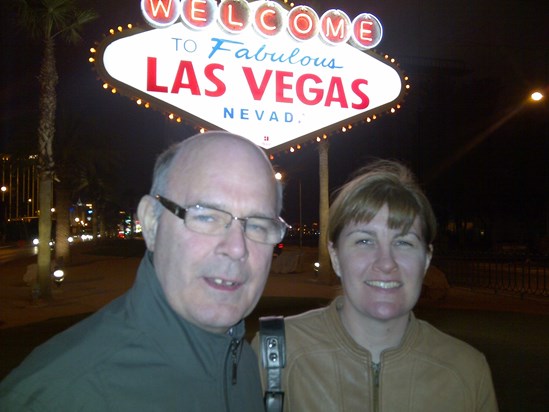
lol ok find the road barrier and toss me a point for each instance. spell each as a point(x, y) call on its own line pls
point(523, 273)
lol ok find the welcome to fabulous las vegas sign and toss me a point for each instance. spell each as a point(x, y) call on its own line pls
point(275, 76)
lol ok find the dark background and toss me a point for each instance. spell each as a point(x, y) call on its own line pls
point(470, 64)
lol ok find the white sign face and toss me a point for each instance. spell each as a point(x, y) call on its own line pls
point(272, 90)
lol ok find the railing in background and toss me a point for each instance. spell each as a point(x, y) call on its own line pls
point(523, 273)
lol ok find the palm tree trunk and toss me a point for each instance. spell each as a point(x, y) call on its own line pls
point(102, 225)
point(325, 273)
point(46, 129)
point(62, 225)
point(95, 222)
point(43, 287)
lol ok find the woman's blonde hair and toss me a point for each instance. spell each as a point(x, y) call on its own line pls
point(382, 182)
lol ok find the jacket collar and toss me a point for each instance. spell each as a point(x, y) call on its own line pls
point(153, 315)
point(347, 342)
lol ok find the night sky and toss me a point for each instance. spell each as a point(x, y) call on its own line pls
point(470, 63)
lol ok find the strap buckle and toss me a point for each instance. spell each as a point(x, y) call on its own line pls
point(273, 356)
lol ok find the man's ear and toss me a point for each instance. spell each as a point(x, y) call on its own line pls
point(334, 258)
point(148, 219)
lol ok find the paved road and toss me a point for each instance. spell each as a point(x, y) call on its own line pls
point(11, 252)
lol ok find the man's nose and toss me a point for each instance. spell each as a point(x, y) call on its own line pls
point(233, 243)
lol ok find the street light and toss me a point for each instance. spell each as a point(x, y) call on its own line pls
point(537, 96)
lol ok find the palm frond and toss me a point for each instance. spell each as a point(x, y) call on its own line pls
point(47, 19)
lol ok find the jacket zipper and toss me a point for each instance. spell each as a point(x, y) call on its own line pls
point(234, 356)
point(233, 351)
point(376, 368)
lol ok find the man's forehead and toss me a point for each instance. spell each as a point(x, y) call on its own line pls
point(217, 163)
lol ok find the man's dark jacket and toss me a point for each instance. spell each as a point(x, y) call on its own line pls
point(137, 354)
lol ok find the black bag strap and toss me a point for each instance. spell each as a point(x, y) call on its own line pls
point(273, 355)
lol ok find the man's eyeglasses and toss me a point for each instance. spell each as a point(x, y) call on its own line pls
point(211, 221)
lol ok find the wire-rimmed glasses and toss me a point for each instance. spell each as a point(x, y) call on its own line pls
point(209, 220)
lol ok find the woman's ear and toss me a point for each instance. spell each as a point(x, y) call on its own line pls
point(334, 258)
point(149, 220)
point(428, 258)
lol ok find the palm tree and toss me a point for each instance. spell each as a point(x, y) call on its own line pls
point(46, 21)
point(83, 170)
point(98, 185)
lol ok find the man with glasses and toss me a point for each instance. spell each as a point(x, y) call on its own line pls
point(175, 340)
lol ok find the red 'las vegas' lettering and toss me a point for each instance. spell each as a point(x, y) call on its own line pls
point(186, 78)
point(308, 89)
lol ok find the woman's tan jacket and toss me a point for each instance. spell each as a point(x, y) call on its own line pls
point(326, 370)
